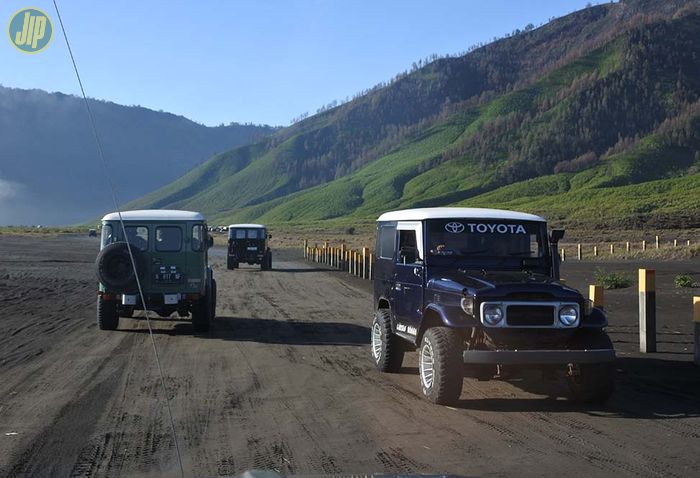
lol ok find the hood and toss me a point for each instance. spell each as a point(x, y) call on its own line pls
point(500, 284)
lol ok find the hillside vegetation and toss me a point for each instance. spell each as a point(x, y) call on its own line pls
point(590, 119)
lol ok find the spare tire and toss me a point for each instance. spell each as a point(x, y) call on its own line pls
point(114, 268)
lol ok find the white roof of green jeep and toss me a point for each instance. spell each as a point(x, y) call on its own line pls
point(457, 213)
point(246, 226)
point(155, 215)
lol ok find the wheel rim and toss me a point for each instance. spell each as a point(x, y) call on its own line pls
point(427, 363)
point(376, 341)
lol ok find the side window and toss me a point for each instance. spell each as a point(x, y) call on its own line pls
point(168, 239)
point(386, 239)
point(198, 238)
point(408, 247)
point(107, 235)
point(137, 236)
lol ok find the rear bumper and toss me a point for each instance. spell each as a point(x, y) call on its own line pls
point(538, 357)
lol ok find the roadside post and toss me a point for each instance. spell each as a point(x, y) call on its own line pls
point(612, 249)
point(364, 262)
point(647, 310)
point(578, 251)
point(627, 246)
point(306, 249)
point(595, 294)
point(563, 254)
point(595, 251)
point(657, 242)
point(696, 326)
point(644, 245)
point(371, 266)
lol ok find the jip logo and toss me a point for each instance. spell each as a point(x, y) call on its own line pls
point(30, 30)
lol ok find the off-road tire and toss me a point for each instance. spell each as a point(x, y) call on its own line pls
point(114, 269)
point(107, 315)
point(592, 383)
point(213, 299)
point(386, 347)
point(231, 264)
point(266, 262)
point(202, 313)
point(444, 346)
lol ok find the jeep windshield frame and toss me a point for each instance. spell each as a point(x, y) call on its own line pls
point(488, 244)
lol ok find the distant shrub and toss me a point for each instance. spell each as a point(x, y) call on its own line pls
point(350, 231)
point(612, 280)
point(683, 280)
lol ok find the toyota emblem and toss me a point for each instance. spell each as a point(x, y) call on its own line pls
point(454, 227)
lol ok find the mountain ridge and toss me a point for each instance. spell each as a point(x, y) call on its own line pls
point(568, 97)
point(50, 133)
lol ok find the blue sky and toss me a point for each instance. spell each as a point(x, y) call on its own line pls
point(264, 61)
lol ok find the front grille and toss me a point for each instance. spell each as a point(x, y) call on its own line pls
point(530, 315)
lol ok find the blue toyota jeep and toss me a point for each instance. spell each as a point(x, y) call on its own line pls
point(477, 291)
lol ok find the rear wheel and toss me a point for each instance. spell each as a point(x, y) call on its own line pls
point(440, 365)
point(107, 315)
point(202, 312)
point(213, 299)
point(387, 349)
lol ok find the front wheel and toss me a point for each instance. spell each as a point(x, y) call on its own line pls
point(213, 299)
point(387, 349)
point(440, 365)
point(107, 314)
point(592, 383)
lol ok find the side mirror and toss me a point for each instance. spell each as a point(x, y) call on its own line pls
point(269, 236)
point(210, 241)
point(556, 235)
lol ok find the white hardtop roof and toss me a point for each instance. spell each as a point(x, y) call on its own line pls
point(457, 213)
point(246, 226)
point(155, 215)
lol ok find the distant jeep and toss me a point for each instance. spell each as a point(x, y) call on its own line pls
point(477, 291)
point(170, 252)
point(248, 243)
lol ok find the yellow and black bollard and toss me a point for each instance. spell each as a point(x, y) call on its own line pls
point(647, 310)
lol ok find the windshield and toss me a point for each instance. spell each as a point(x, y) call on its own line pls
point(252, 233)
point(471, 238)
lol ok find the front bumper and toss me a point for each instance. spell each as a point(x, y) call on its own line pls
point(538, 357)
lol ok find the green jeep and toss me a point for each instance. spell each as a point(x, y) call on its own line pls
point(170, 250)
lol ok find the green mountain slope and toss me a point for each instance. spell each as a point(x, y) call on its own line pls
point(600, 104)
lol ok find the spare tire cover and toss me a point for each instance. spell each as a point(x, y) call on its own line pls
point(114, 268)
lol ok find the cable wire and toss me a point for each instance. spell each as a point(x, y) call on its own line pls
point(105, 166)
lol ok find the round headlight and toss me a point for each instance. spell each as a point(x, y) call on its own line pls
point(568, 315)
point(467, 304)
point(492, 314)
